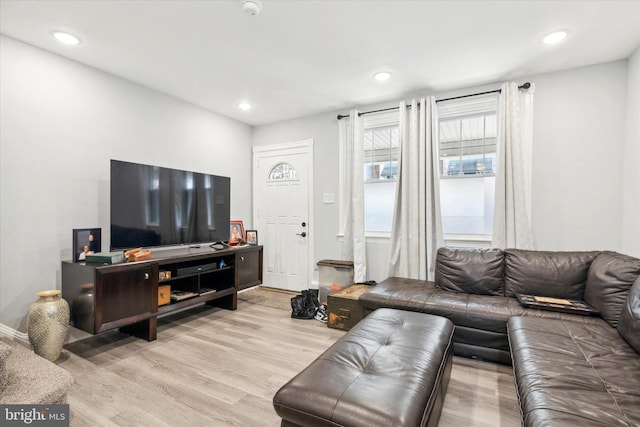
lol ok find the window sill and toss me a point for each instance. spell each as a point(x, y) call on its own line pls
point(461, 240)
point(468, 240)
point(369, 236)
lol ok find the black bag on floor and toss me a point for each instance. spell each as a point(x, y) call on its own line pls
point(304, 306)
point(313, 297)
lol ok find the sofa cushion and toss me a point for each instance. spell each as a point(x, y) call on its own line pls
point(610, 278)
point(5, 351)
point(472, 271)
point(574, 374)
point(629, 323)
point(546, 273)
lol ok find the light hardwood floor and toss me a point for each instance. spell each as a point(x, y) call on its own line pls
point(214, 367)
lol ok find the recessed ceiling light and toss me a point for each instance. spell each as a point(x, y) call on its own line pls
point(66, 38)
point(382, 76)
point(244, 106)
point(554, 37)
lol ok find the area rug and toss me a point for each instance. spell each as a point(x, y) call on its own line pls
point(270, 297)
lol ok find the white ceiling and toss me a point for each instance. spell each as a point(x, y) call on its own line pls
point(301, 57)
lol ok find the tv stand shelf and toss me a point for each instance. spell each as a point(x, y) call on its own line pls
point(104, 297)
point(184, 276)
point(196, 300)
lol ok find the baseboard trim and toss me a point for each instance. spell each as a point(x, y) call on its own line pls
point(8, 332)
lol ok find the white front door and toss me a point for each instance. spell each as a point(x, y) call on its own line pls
point(281, 202)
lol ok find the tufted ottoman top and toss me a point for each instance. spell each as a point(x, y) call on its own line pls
point(387, 370)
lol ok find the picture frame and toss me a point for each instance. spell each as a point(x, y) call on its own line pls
point(252, 237)
point(86, 241)
point(236, 231)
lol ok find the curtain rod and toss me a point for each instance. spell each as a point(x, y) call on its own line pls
point(526, 85)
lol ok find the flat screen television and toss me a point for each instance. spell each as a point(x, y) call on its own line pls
point(155, 206)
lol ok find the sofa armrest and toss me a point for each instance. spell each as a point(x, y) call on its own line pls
point(398, 292)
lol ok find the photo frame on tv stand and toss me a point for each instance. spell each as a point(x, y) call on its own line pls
point(252, 237)
point(236, 232)
point(86, 240)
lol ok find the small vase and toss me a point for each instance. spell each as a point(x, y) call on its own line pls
point(48, 324)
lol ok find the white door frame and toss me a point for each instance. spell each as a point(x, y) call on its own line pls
point(305, 146)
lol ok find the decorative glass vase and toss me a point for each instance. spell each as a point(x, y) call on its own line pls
point(48, 324)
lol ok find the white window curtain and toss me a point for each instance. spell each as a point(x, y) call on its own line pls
point(416, 233)
point(351, 134)
point(511, 221)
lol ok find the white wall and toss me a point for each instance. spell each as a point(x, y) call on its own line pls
point(631, 187)
point(60, 124)
point(578, 179)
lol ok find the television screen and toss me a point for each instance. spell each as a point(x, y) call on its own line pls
point(156, 206)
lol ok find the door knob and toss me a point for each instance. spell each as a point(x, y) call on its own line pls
point(303, 234)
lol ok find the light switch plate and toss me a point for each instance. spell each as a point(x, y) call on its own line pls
point(328, 198)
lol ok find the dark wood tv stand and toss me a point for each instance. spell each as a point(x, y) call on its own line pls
point(103, 297)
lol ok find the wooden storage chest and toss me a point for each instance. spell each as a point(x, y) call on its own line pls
point(344, 308)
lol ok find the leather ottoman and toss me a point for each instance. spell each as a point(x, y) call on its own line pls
point(392, 368)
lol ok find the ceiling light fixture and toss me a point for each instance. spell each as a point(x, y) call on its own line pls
point(244, 106)
point(251, 7)
point(555, 37)
point(382, 76)
point(66, 38)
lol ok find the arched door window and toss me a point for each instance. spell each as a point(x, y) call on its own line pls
point(283, 171)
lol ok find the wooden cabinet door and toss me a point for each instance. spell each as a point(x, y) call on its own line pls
point(249, 268)
point(124, 294)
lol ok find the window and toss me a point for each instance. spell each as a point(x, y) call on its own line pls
point(283, 171)
point(467, 136)
point(467, 143)
point(381, 152)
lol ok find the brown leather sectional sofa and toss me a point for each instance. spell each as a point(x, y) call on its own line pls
point(570, 369)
